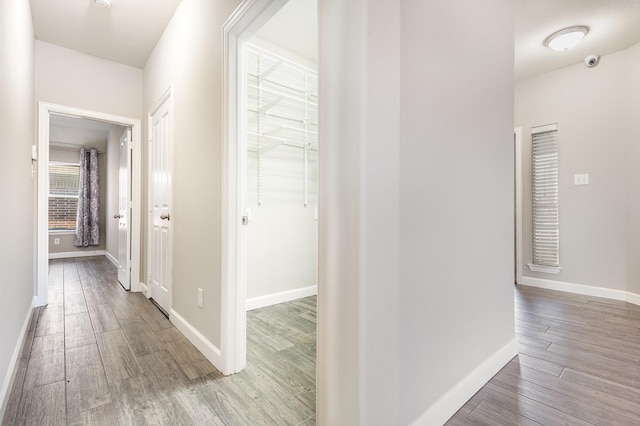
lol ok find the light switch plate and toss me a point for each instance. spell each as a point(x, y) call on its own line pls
point(581, 179)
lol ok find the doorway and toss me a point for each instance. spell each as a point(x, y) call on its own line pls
point(247, 143)
point(45, 113)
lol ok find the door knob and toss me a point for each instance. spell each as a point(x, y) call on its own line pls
point(117, 216)
point(165, 216)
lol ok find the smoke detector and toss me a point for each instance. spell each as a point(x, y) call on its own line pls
point(105, 4)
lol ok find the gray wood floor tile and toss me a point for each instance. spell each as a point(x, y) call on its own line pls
point(51, 320)
point(103, 318)
point(142, 339)
point(190, 360)
point(137, 401)
point(118, 358)
point(152, 315)
point(86, 381)
point(78, 331)
point(13, 404)
point(94, 297)
point(44, 405)
point(46, 364)
point(74, 303)
point(103, 415)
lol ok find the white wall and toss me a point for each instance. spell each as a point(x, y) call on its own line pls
point(596, 114)
point(416, 204)
point(70, 78)
point(188, 58)
point(17, 237)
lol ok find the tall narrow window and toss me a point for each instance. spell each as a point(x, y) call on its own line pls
point(546, 232)
point(63, 196)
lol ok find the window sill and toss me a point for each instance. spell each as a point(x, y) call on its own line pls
point(545, 269)
point(65, 232)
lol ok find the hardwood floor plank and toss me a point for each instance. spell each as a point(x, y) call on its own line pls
point(86, 381)
point(78, 331)
point(94, 296)
point(46, 364)
point(498, 415)
point(118, 358)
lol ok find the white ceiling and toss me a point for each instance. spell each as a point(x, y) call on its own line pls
point(72, 131)
point(126, 33)
point(295, 28)
point(615, 26)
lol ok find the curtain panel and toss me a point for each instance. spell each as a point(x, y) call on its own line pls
point(88, 218)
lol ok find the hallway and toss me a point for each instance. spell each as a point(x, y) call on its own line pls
point(100, 355)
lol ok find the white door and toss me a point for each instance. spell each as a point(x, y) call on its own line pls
point(160, 262)
point(124, 211)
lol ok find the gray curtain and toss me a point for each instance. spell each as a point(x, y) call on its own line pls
point(88, 218)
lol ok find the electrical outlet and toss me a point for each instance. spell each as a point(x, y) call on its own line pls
point(200, 294)
point(56, 241)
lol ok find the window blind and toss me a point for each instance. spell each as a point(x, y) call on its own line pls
point(546, 233)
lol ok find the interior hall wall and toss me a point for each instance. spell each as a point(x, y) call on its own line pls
point(595, 111)
point(188, 58)
point(17, 184)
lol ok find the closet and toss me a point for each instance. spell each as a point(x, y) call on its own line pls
point(282, 160)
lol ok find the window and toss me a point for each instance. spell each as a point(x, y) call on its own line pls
point(546, 232)
point(63, 196)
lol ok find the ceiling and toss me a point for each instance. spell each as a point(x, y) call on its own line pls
point(72, 131)
point(615, 26)
point(128, 32)
point(295, 28)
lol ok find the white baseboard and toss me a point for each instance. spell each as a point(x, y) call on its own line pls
point(111, 259)
point(208, 349)
point(457, 396)
point(284, 296)
point(70, 254)
point(586, 290)
point(144, 289)
point(10, 377)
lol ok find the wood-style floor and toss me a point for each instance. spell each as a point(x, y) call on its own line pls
point(578, 364)
point(98, 355)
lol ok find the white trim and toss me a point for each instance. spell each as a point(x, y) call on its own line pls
point(111, 259)
point(518, 200)
point(543, 268)
point(72, 254)
point(458, 395)
point(10, 377)
point(281, 297)
point(248, 17)
point(144, 289)
point(586, 290)
point(208, 349)
point(45, 109)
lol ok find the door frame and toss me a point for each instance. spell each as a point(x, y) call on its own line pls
point(45, 109)
point(517, 140)
point(165, 97)
point(126, 149)
point(241, 25)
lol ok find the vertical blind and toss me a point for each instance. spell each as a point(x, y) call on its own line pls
point(546, 235)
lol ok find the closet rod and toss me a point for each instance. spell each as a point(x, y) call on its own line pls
point(68, 147)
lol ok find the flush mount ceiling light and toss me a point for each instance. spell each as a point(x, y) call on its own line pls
point(106, 4)
point(566, 38)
